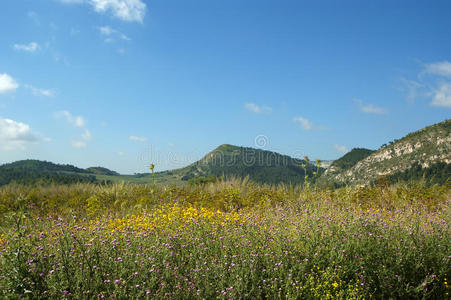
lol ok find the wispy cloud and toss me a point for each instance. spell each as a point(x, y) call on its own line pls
point(7, 84)
point(126, 10)
point(340, 148)
point(257, 109)
point(369, 108)
point(307, 124)
point(112, 34)
point(137, 138)
point(40, 92)
point(31, 47)
point(442, 68)
point(16, 135)
point(442, 95)
point(83, 140)
point(77, 121)
point(436, 86)
point(34, 16)
point(413, 89)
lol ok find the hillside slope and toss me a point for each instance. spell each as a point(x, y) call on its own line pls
point(102, 171)
point(228, 160)
point(33, 171)
point(424, 147)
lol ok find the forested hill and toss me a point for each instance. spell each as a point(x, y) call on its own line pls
point(350, 159)
point(42, 166)
point(259, 165)
point(102, 171)
point(423, 153)
point(34, 171)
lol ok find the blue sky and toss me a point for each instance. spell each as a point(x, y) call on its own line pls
point(123, 83)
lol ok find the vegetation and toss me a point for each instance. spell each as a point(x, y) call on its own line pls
point(261, 166)
point(34, 177)
point(438, 173)
point(226, 239)
point(201, 180)
point(351, 158)
point(427, 146)
point(102, 171)
point(41, 166)
point(42, 172)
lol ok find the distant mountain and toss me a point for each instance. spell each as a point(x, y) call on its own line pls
point(34, 171)
point(424, 154)
point(326, 163)
point(348, 160)
point(260, 165)
point(101, 171)
point(41, 166)
point(424, 148)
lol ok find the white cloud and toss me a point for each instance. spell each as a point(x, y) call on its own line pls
point(77, 121)
point(86, 136)
point(442, 68)
point(31, 47)
point(7, 84)
point(305, 124)
point(442, 96)
point(112, 34)
point(126, 10)
point(106, 30)
point(137, 138)
point(120, 153)
point(40, 92)
point(341, 148)
point(83, 141)
point(369, 108)
point(414, 89)
point(16, 135)
point(257, 109)
point(436, 87)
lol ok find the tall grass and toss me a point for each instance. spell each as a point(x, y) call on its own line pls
point(230, 239)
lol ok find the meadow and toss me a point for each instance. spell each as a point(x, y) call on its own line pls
point(228, 239)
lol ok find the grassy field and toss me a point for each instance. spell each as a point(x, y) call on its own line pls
point(160, 178)
point(231, 239)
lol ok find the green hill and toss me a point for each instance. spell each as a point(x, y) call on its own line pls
point(260, 165)
point(400, 159)
point(42, 166)
point(351, 158)
point(102, 171)
point(421, 154)
point(35, 171)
